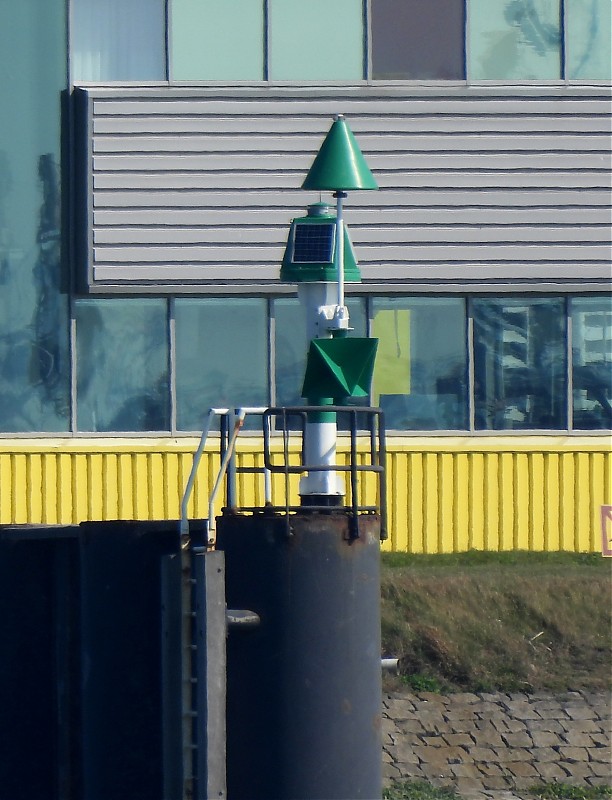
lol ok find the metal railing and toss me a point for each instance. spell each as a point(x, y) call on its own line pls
point(282, 421)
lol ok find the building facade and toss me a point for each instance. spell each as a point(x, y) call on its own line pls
point(151, 154)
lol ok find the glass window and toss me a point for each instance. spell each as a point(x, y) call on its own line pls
point(317, 40)
point(221, 356)
point(413, 39)
point(217, 41)
point(588, 33)
point(421, 365)
point(118, 40)
point(514, 40)
point(592, 362)
point(34, 360)
point(122, 365)
point(291, 345)
point(520, 364)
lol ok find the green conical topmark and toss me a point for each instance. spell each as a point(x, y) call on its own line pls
point(339, 164)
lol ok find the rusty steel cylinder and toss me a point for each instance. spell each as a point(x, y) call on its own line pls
point(304, 688)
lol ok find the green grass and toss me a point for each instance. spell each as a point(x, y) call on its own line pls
point(512, 621)
point(422, 790)
point(563, 791)
point(417, 790)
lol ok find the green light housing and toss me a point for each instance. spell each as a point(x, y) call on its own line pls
point(311, 249)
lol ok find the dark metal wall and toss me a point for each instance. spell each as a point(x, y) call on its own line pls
point(304, 688)
point(81, 660)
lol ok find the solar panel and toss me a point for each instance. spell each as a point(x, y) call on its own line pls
point(313, 244)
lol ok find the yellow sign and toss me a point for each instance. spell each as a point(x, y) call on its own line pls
point(392, 367)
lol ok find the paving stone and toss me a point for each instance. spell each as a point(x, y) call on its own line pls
point(511, 725)
point(460, 712)
point(486, 735)
point(389, 726)
point(403, 753)
point(409, 737)
point(551, 771)
point(429, 719)
point(488, 710)
point(517, 739)
point(440, 755)
point(580, 772)
point(521, 710)
point(601, 769)
point(573, 754)
point(465, 785)
point(493, 697)
point(437, 773)
point(580, 712)
point(578, 739)
point(462, 725)
point(464, 698)
point(390, 772)
point(543, 707)
point(482, 754)
point(400, 709)
point(466, 771)
point(539, 754)
point(545, 739)
point(490, 769)
point(522, 769)
point(496, 782)
point(434, 698)
point(501, 738)
point(550, 725)
point(584, 726)
point(600, 754)
point(411, 725)
point(510, 754)
point(459, 740)
point(433, 741)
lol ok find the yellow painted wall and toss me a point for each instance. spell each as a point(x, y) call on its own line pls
point(444, 493)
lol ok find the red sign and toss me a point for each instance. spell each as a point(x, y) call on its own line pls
point(606, 530)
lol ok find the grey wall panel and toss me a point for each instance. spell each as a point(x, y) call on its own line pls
point(489, 188)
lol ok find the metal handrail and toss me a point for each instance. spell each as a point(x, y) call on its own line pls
point(239, 416)
point(377, 459)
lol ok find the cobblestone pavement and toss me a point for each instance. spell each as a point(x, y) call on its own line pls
point(495, 745)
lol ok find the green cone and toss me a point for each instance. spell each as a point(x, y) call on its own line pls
point(339, 165)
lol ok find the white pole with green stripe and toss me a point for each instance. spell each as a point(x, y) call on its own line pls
point(319, 257)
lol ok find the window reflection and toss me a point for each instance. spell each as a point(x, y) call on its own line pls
point(118, 40)
point(514, 40)
point(413, 39)
point(588, 41)
point(217, 41)
point(592, 363)
point(420, 372)
point(122, 365)
point(221, 357)
point(317, 40)
point(34, 363)
point(519, 364)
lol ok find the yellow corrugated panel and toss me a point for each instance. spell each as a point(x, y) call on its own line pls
point(444, 493)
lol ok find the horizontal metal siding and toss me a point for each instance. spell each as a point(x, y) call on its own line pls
point(446, 494)
point(480, 188)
